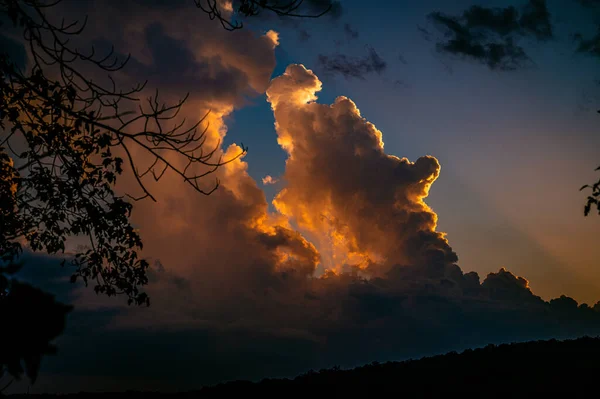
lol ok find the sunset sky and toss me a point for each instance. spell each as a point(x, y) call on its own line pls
point(256, 279)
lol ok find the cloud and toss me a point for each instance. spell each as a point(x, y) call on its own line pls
point(303, 35)
point(350, 269)
point(353, 67)
point(589, 3)
point(350, 32)
point(343, 188)
point(490, 35)
point(269, 180)
point(589, 46)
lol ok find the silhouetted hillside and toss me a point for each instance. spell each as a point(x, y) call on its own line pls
point(509, 369)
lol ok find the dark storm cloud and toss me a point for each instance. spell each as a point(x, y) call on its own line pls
point(353, 322)
point(237, 296)
point(176, 67)
point(234, 287)
point(353, 67)
point(491, 35)
point(176, 48)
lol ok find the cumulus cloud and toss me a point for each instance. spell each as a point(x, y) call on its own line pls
point(342, 187)
point(353, 67)
point(269, 180)
point(490, 35)
point(349, 269)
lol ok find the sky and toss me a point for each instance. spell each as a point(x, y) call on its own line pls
point(389, 159)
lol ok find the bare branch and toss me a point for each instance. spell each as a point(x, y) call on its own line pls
point(248, 8)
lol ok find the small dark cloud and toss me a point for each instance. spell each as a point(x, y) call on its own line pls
point(590, 46)
point(490, 35)
point(400, 83)
point(424, 33)
point(317, 6)
point(535, 20)
point(303, 35)
point(350, 32)
point(402, 59)
point(353, 67)
point(589, 3)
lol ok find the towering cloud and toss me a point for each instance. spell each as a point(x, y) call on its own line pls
point(363, 206)
point(349, 269)
point(366, 275)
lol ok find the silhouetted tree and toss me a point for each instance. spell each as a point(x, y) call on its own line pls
point(496, 370)
point(64, 140)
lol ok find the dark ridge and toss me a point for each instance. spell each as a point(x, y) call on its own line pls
point(493, 371)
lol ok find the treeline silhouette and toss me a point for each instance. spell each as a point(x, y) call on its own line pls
point(493, 371)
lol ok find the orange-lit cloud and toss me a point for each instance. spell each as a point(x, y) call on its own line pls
point(349, 268)
point(268, 179)
point(344, 190)
point(364, 234)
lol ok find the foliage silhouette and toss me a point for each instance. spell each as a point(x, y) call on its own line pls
point(593, 200)
point(34, 319)
point(537, 366)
